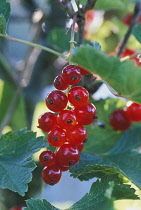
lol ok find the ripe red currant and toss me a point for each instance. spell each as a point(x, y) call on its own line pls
point(66, 119)
point(56, 101)
point(47, 158)
point(86, 114)
point(83, 71)
point(118, 120)
point(133, 112)
point(63, 168)
point(67, 155)
point(47, 121)
point(51, 174)
point(59, 83)
point(56, 137)
point(80, 146)
point(76, 135)
point(78, 96)
point(71, 74)
point(17, 208)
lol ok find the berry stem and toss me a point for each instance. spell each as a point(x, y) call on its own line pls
point(72, 42)
point(34, 45)
point(131, 56)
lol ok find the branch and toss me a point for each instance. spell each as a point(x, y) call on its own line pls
point(136, 14)
point(89, 5)
point(66, 4)
point(34, 45)
point(10, 110)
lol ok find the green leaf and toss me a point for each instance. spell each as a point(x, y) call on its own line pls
point(90, 166)
point(124, 191)
point(2, 24)
point(59, 39)
point(39, 205)
point(122, 159)
point(124, 77)
point(4, 15)
point(99, 136)
point(16, 164)
point(96, 198)
point(128, 141)
point(137, 32)
point(5, 9)
point(108, 4)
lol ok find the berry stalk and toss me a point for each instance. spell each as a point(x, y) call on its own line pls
point(34, 45)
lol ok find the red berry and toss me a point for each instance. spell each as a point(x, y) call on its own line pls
point(86, 114)
point(56, 101)
point(133, 112)
point(71, 74)
point(47, 121)
point(56, 137)
point(67, 155)
point(51, 174)
point(63, 168)
point(80, 146)
point(17, 208)
point(66, 119)
point(76, 135)
point(47, 158)
point(129, 52)
point(78, 96)
point(83, 71)
point(59, 83)
point(119, 121)
point(127, 19)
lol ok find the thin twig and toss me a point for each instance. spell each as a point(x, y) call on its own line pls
point(34, 45)
point(136, 15)
point(11, 109)
point(72, 42)
point(67, 5)
point(89, 5)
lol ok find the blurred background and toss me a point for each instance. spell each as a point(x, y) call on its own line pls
point(45, 23)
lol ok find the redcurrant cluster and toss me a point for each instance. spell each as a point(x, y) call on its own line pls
point(121, 119)
point(65, 128)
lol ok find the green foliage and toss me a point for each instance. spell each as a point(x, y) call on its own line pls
point(119, 75)
point(4, 15)
point(39, 204)
point(123, 159)
point(99, 136)
point(137, 32)
point(16, 164)
point(8, 93)
point(101, 196)
point(2, 24)
point(108, 4)
point(97, 196)
point(59, 39)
